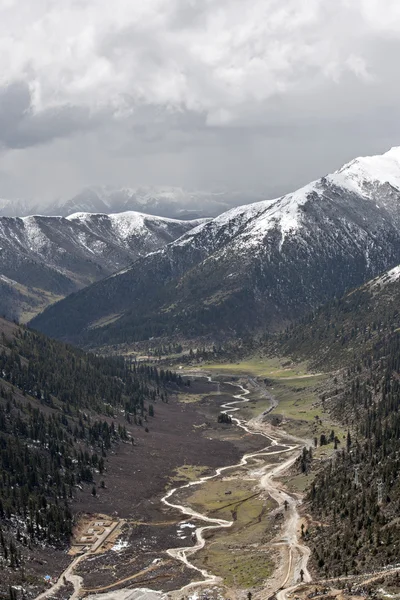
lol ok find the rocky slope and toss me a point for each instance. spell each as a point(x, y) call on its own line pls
point(45, 258)
point(253, 267)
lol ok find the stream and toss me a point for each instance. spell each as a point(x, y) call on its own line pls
point(289, 537)
point(297, 554)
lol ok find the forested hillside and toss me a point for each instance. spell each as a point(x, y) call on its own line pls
point(57, 424)
point(360, 529)
point(355, 496)
point(337, 332)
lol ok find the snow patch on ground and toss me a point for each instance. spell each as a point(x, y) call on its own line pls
point(36, 239)
point(187, 525)
point(137, 594)
point(119, 546)
point(8, 281)
point(388, 277)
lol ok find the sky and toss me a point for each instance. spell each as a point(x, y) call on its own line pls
point(260, 95)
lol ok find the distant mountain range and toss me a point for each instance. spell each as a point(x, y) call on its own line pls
point(169, 202)
point(15, 208)
point(256, 267)
point(45, 258)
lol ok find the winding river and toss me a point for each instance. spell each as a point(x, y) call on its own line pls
point(297, 553)
point(294, 554)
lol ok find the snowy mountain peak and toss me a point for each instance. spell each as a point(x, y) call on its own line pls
point(252, 268)
point(363, 179)
point(362, 174)
point(252, 222)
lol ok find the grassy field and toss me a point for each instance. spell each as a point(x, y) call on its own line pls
point(241, 555)
point(301, 407)
point(188, 473)
point(298, 402)
point(260, 367)
point(298, 483)
point(224, 497)
point(192, 398)
point(40, 300)
point(237, 554)
point(239, 568)
point(296, 390)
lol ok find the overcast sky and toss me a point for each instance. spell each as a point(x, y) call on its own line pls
point(260, 94)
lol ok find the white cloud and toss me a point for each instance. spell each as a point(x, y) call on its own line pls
point(205, 91)
point(210, 56)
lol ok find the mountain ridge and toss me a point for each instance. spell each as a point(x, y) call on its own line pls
point(44, 256)
point(163, 201)
point(255, 266)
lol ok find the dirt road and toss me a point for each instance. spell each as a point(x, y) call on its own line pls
point(294, 554)
point(297, 553)
point(68, 575)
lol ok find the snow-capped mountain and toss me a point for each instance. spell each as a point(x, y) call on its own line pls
point(164, 201)
point(45, 258)
point(254, 267)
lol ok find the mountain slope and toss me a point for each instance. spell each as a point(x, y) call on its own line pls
point(256, 266)
point(339, 330)
point(46, 258)
point(62, 412)
point(354, 492)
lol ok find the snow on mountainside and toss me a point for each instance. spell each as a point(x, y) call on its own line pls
point(44, 258)
point(131, 223)
point(364, 176)
point(391, 276)
point(255, 266)
point(360, 175)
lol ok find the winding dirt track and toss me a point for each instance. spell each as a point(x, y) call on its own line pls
point(70, 578)
point(298, 554)
point(68, 575)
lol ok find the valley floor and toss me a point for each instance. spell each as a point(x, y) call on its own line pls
point(242, 503)
point(227, 532)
